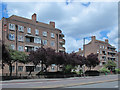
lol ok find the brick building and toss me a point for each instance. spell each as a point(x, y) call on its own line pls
point(104, 50)
point(24, 35)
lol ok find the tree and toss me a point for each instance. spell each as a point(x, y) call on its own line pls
point(111, 65)
point(6, 59)
point(38, 57)
point(92, 60)
point(10, 56)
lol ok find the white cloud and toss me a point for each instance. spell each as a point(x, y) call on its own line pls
point(75, 20)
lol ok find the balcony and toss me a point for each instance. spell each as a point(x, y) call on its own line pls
point(112, 48)
point(61, 35)
point(29, 48)
point(62, 41)
point(62, 49)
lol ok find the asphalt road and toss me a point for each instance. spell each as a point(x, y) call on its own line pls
point(113, 84)
point(109, 81)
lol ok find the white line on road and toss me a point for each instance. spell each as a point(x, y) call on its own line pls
point(19, 83)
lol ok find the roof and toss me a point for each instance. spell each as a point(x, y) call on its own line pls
point(26, 20)
point(98, 41)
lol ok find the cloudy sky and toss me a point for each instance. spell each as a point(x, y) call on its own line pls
point(76, 19)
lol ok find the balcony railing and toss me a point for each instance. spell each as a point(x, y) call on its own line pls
point(62, 41)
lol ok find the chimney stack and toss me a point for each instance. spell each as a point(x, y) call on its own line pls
point(34, 17)
point(93, 38)
point(52, 23)
point(106, 40)
point(79, 49)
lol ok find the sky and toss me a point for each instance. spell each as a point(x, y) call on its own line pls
point(77, 20)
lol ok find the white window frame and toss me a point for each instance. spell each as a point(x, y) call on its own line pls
point(11, 36)
point(19, 69)
point(51, 43)
point(22, 48)
point(20, 38)
point(36, 47)
point(44, 33)
point(37, 40)
point(36, 31)
point(52, 35)
point(44, 42)
point(20, 28)
point(12, 46)
point(28, 30)
point(12, 26)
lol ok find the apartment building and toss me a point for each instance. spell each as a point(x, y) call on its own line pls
point(104, 50)
point(24, 35)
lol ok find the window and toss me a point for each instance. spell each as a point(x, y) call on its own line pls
point(28, 30)
point(103, 47)
point(20, 68)
point(44, 42)
point(100, 52)
point(52, 68)
point(35, 48)
point(20, 48)
point(11, 37)
point(100, 46)
point(29, 68)
point(36, 31)
point(12, 47)
point(11, 26)
point(97, 51)
point(37, 40)
point(44, 33)
point(37, 69)
point(13, 68)
point(52, 43)
point(52, 35)
point(20, 28)
point(20, 38)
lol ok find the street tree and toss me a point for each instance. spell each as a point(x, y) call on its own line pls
point(111, 65)
point(10, 56)
point(38, 57)
point(92, 60)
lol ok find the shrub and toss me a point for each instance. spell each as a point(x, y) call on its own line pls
point(80, 72)
point(68, 68)
point(104, 70)
point(117, 70)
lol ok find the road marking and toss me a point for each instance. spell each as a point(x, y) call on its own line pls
point(76, 84)
point(116, 86)
point(19, 83)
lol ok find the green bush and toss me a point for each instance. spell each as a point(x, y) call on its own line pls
point(68, 68)
point(104, 70)
point(117, 70)
point(80, 72)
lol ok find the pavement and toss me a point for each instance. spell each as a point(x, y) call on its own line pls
point(61, 82)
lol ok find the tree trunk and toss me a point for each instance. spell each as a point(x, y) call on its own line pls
point(10, 66)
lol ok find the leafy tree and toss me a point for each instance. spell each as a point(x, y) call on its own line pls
point(10, 56)
point(38, 57)
point(92, 60)
point(111, 65)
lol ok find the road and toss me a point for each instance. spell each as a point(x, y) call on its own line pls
point(109, 81)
